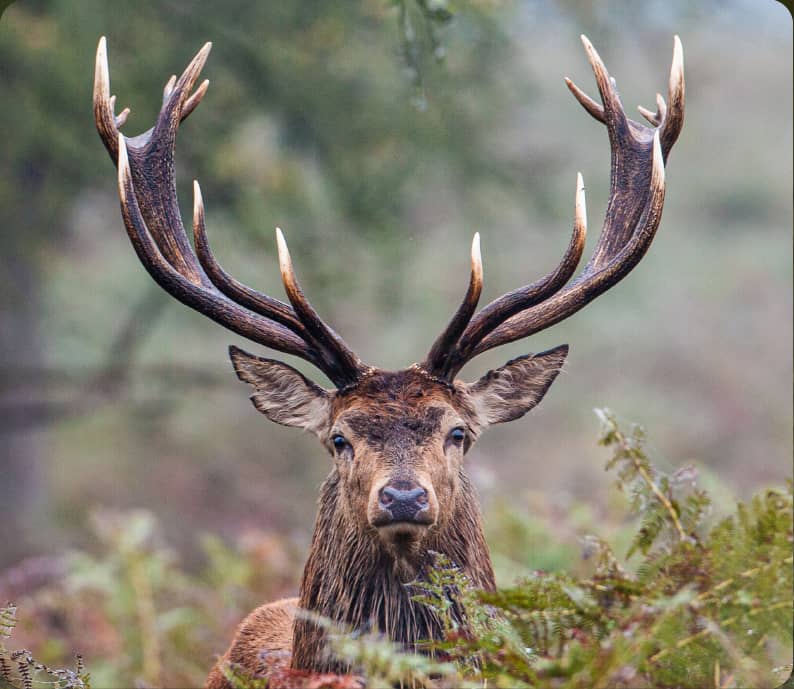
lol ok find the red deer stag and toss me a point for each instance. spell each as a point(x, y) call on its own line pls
point(397, 490)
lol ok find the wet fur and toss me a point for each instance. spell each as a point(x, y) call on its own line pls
point(262, 643)
point(353, 576)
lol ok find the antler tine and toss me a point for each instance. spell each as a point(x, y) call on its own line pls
point(242, 294)
point(606, 85)
point(211, 304)
point(670, 125)
point(121, 118)
point(673, 117)
point(343, 357)
point(107, 123)
point(638, 155)
point(103, 102)
point(655, 118)
point(503, 308)
point(594, 280)
point(147, 188)
point(595, 109)
point(192, 103)
point(151, 156)
point(335, 354)
point(612, 108)
point(438, 356)
point(499, 310)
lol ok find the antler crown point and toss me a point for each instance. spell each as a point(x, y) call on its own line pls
point(476, 255)
point(198, 200)
point(284, 260)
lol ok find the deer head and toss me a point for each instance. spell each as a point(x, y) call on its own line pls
point(397, 488)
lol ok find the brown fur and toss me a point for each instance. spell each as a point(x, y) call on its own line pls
point(261, 643)
point(352, 578)
point(398, 430)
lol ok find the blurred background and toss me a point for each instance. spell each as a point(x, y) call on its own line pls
point(380, 139)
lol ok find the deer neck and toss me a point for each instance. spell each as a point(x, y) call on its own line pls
point(353, 580)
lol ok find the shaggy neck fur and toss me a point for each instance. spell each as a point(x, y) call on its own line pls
point(351, 578)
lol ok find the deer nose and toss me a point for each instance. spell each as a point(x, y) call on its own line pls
point(405, 504)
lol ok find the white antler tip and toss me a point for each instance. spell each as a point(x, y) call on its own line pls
point(677, 67)
point(595, 59)
point(283, 251)
point(101, 71)
point(658, 159)
point(580, 205)
point(678, 51)
point(204, 52)
point(198, 62)
point(198, 200)
point(588, 46)
point(476, 264)
point(476, 255)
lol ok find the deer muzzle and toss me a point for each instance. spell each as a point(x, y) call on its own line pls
point(403, 503)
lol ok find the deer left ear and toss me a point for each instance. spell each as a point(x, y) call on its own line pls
point(282, 393)
point(509, 392)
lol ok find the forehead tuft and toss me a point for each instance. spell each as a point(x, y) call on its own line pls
point(408, 385)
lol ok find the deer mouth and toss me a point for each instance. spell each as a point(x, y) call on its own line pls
point(387, 523)
point(398, 528)
point(402, 536)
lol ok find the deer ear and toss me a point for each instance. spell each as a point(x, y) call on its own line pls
point(282, 393)
point(509, 392)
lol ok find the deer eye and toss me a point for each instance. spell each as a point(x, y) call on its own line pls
point(457, 435)
point(340, 443)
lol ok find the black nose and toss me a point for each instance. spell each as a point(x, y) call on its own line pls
point(405, 504)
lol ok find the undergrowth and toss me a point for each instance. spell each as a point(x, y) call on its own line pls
point(20, 669)
point(689, 598)
point(690, 604)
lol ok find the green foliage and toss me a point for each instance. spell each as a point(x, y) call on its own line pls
point(138, 614)
point(20, 669)
point(704, 606)
point(4, 5)
point(433, 15)
point(699, 601)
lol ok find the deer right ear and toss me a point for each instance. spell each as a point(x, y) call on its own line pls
point(282, 393)
point(509, 392)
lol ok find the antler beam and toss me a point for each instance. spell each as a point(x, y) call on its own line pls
point(147, 191)
point(634, 210)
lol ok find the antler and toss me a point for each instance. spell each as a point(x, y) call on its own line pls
point(636, 197)
point(147, 190)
